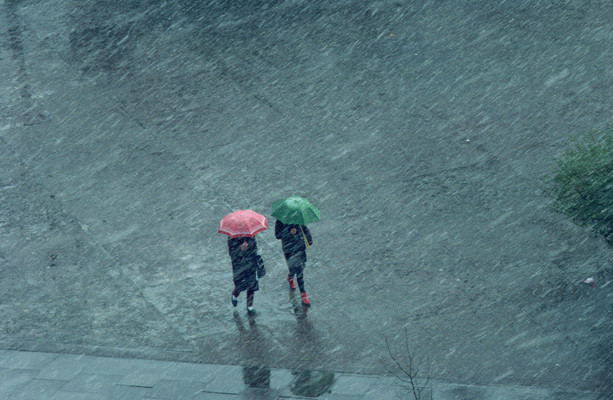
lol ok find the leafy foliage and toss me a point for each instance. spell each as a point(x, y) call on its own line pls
point(582, 183)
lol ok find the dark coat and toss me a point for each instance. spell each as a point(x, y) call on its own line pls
point(244, 262)
point(292, 243)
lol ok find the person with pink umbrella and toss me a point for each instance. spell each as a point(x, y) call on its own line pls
point(241, 227)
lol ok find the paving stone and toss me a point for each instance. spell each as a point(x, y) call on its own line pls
point(148, 373)
point(309, 384)
point(384, 389)
point(227, 380)
point(14, 380)
point(260, 394)
point(352, 384)
point(38, 389)
point(79, 396)
point(110, 365)
point(192, 371)
point(218, 396)
point(65, 367)
point(176, 389)
point(128, 392)
point(27, 360)
point(5, 355)
point(142, 378)
point(332, 396)
point(516, 393)
point(92, 383)
point(460, 392)
point(280, 378)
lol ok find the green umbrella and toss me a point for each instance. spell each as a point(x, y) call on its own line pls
point(295, 210)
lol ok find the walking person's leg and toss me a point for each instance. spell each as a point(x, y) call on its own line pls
point(303, 294)
point(235, 294)
point(239, 286)
point(250, 297)
point(291, 271)
point(297, 264)
point(300, 280)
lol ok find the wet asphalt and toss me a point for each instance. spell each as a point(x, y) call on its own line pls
point(423, 132)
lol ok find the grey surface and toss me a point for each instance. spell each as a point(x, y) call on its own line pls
point(421, 130)
point(215, 381)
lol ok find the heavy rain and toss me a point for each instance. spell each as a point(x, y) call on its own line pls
point(422, 130)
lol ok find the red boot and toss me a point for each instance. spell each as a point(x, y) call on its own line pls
point(305, 299)
point(292, 285)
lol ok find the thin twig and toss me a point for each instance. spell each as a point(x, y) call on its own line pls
point(405, 361)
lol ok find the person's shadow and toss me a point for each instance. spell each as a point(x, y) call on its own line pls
point(255, 353)
point(308, 382)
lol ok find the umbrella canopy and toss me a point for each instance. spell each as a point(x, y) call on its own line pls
point(242, 223)
point(295, 210)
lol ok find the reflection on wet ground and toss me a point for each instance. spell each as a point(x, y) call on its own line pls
point(254, 346)
point(312, 383)
point(308, 383)
point(256, 376)
point(255, 353)
point(252, 342)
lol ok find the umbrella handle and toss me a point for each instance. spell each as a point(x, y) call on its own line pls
point(306, 242)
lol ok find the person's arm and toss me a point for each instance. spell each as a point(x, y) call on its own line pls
point(252, 250)
point(232, 248)
point(253, 245)
point(307, 232)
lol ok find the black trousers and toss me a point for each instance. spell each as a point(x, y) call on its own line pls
point(296, 264)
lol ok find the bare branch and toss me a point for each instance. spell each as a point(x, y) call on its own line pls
point(406, 368)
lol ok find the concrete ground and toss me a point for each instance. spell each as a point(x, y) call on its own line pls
point(422, 130)
point(41, 376)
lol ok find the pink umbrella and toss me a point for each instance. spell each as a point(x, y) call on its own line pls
point(242, 223)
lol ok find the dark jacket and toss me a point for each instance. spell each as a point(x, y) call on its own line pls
point(244, 262)
point(292, 243)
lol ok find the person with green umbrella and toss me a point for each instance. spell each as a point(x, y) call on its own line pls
point(292, 215)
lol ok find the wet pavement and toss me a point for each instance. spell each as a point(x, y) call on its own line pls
point(35, 375)
point(422, 131)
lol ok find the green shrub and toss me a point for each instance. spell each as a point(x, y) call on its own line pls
point(582, 183)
